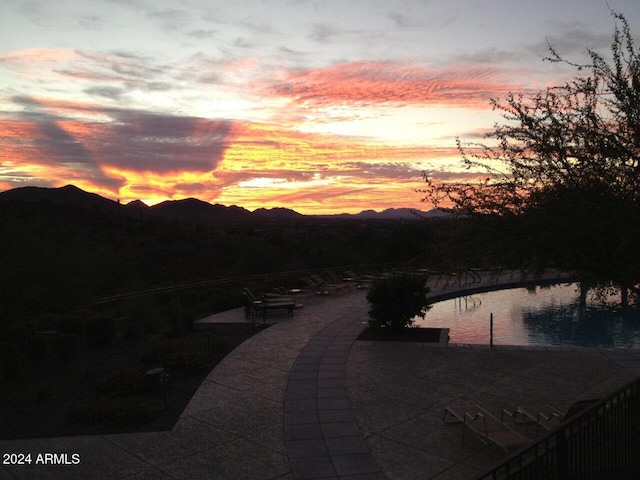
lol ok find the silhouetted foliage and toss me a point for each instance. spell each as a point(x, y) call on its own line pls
point(395, 301)
point(37, 346)
point(123, 382)
point(100, 330)
point(10, 362)
point(118, 413)
point(66, 346)
point(562, 174)
point(60, 256)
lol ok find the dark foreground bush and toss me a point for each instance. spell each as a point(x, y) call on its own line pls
point(10, 361)
point(123, 382)
point(66, 345)
point(37, 346)
point(187, 361)
point(396, 301)
point(112, 413)
point(15, 334)
point(184, 355)
point(100, 330)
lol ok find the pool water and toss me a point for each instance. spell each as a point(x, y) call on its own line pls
point(550, 316)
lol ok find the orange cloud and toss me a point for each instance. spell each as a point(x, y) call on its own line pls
point(132, 154)
point(467, 86)
point(314, 173)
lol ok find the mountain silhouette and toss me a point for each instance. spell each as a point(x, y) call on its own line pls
point(67, 195)
point(194, 209)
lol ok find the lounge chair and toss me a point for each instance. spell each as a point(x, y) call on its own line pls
point(270, 296)
point(267, 304)
point(316, 285)
point(545, 416)
point(486, 426)
point(327, 285)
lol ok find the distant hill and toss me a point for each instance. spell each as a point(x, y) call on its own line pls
point(67, 195)
point(395, 214)
point(197, 210)
point(277, 213)
point(194, 209)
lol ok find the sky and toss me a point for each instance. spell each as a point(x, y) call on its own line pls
point(320, 106)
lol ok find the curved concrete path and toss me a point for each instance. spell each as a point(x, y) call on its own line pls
point(303, 399)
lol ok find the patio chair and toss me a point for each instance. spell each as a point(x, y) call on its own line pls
point(546, 416)
point(267, 304)
point(327, 285)
point(269, 296)
point(488, 428)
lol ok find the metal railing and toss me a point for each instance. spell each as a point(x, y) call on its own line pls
point(244, 279)
point(601, 442)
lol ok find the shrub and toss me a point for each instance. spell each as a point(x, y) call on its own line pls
point(123, 382)
point(47, 321)
point(100, 330)
point(16, 334)
point(176, 319)
point(132, 329)
point(37, 346)
point(187, 361)
point(70, 324)
point(66, 345)
point(112, 413)
point(395, 301)
point(183, 356)
point(143, 312)
point(156, 353)
point(10, 361)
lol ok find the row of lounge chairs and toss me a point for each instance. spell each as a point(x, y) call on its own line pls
point(490, 430)
point(268, 303)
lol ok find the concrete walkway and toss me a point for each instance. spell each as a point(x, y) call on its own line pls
point(303, 399)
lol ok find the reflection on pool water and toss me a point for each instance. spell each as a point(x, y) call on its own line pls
point(548, 315)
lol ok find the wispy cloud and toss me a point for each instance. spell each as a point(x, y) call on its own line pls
point(393, 82)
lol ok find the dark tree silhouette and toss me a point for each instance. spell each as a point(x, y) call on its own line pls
point(563, 170)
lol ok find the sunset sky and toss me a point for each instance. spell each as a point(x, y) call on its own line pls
point(320, 106)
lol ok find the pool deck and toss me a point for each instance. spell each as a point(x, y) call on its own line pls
point(304, 399)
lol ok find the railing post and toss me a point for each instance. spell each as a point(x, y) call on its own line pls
point(491, 331)
point(562, 454)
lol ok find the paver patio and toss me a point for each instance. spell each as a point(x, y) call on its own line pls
point(303, 399)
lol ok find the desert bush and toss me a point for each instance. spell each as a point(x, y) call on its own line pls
point(123, 382)
point(187, 361)
point(144, 312)
point(100, 330)
point(16, 334)
point(183, 355)
point(132, 330)
point(37, 346)
point(66, 345)
point(176, 319)
point(155, 354)
point(10, 361)
point(70, 324)
point(48, 321)
point(395, 301)
point(118, 413)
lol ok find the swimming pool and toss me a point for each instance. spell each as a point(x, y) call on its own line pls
point(549, 315)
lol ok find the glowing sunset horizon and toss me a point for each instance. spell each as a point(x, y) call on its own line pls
point(321, 107)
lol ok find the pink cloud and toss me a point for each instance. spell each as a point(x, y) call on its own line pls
point(468, 86)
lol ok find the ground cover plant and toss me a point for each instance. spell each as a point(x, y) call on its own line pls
point(54, 384)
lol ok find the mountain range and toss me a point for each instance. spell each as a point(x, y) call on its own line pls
point(194, 209)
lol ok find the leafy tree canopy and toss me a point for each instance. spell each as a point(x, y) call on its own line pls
point(563, 170)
